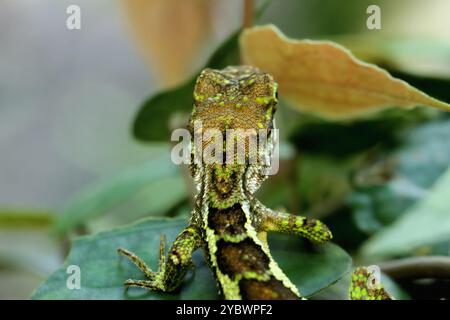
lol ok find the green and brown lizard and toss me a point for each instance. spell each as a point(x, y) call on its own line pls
point(227, 221)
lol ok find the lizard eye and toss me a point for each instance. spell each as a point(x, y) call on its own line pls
point(276, 94)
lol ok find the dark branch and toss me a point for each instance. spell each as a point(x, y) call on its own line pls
point(436, 267)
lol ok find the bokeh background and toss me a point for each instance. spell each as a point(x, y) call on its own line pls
point(68, 99)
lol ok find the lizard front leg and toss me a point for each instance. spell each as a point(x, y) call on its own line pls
point(172, 270)
point(311, 229)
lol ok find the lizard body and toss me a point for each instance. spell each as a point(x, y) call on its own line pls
point(227, 221)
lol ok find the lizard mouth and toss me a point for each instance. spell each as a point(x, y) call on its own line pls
point(231, 146)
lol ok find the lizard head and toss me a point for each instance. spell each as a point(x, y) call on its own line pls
point(240, 97)
point(238, 105)
point(240, 101)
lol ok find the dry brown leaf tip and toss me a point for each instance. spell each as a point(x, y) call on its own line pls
point(170, 34)
point(324, 78)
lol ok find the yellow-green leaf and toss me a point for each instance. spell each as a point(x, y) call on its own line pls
point(324, 78)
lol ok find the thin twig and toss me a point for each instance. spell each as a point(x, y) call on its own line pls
point(436, 267)
point(248, 14)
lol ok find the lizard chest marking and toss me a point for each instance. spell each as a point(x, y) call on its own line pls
point(242, 263)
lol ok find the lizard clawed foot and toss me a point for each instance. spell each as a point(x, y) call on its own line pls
point(154, 278)
point(147, 284)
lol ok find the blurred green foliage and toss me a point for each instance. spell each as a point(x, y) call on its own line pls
point(401, 176)
point(424, 224)
point(158, 181)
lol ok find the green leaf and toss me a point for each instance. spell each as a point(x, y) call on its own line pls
point(310, 269)
point(103, 271)
point(340, 140)
point(152, 120)
point(323, 183)
point(427, 223)
point(115, 191)
point(407, 173)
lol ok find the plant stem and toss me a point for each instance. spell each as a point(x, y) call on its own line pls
point(24, 219)
point(248, 14)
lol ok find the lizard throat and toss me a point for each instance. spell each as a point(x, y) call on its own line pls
point(225, 183)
